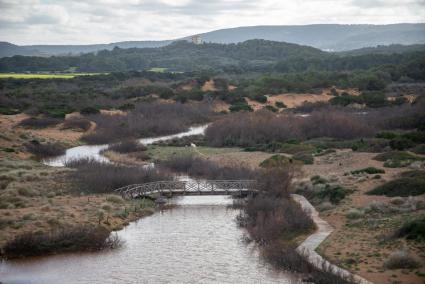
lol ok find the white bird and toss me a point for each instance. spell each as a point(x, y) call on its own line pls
point(192, 145)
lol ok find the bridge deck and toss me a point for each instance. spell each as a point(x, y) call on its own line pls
point(192, 187)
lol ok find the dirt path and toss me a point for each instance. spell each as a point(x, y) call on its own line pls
point(355, 245)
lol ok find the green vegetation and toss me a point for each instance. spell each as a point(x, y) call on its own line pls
point(397, 159)
point(369, 171)
point(277, 161)
point(44, 75)
point(411, 183)
point(412, 230)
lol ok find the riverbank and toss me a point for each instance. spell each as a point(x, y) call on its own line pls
point(362, 244)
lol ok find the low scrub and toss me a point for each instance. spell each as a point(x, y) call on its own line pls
point(197, 166)
point(97, 177)
point(405, 186)
point(396, 159)
point(127, 146)
point(146, 120)
point(71, 239)
point(45, 150)
point(412, 230)
point(369, 171)
point(39, 122)
point(263, 127)
point(76, 123)
point(401, 259)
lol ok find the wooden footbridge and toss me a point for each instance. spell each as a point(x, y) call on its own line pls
point(190, 187)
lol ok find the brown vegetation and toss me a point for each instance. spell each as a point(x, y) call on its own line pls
point(248, 129)
point(146, 120)
point(70, 239)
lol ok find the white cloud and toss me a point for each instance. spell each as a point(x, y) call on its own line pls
point(99, 21)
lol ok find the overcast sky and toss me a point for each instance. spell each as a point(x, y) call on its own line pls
point(104, 21)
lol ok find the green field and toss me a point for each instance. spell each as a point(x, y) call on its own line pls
point(45, 75)
point(158, 69)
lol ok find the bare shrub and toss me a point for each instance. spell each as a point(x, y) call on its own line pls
point(71, 239)
point(249, 129)
point(45, 150)
point(197, 166)
point(291, 260)
point(127, 146)
point(39, 122)
point(97, 177)
point(401, 259)
point(146, 120)
point(77, 123)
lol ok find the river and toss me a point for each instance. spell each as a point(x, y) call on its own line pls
point(197, 241)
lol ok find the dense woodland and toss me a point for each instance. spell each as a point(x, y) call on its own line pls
point(248, 56)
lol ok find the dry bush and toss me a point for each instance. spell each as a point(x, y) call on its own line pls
point(290, 260)
point(127, 146)
point(250, 129)
point(77, 123)
point(401, 259)
point(197, 166)
point(45, 150)
point(146, 120)
point(97, 177)
point(71, 239)
point(39, 122)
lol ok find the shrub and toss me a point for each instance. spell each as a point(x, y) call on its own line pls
point(45, 150)
point(77, 123)
point(354, 214)
point(262, 127)
point(401, 143)
point(71, 239)
point(270, 108)
point(396, 159)
point(89, 110)
point(404, 186)
point(401, 259)
point(97, 177)
point(127, 146)
point(419, 149)
point(413, 230)
point(41, 122)
point(197, 166)
point(332, 193)
point(305, 157)
point(240, 107)
point(260, 98)
point(280, 105)
point(146, 120)
point(369, 171)
point(276, 161)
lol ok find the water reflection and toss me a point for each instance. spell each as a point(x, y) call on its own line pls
point(195, 242)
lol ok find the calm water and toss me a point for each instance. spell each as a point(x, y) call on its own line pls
point(196, 242)
point(93, 151)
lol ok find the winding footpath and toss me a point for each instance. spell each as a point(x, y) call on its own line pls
point(308, 247)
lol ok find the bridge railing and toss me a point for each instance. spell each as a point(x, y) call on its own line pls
point(191, 186)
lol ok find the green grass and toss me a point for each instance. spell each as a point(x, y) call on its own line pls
point(44, 75)
point(158, 69)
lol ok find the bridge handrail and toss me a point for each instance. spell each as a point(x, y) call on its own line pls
point(131, 188)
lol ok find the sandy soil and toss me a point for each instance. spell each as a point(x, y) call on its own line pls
point(208, 86)
point(359, 243)
point(9, 125)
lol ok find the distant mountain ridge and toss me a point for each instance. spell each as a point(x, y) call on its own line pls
point(331, 37)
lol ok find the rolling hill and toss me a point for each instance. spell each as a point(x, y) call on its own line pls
point(332, 37)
